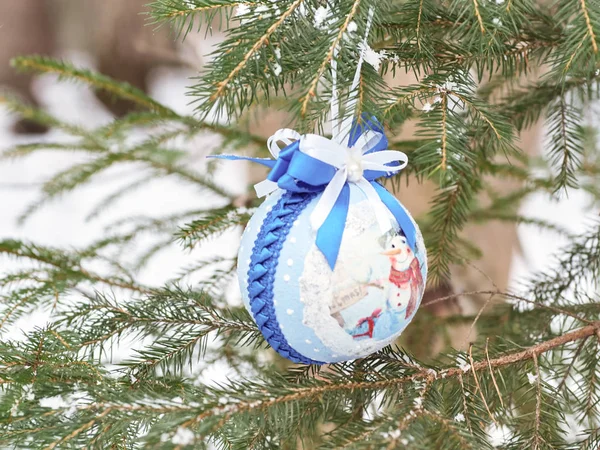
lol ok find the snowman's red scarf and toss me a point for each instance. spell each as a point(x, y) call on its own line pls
point(413, 276)
point(401, 277)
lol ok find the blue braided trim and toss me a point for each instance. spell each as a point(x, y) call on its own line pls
point(263, 265)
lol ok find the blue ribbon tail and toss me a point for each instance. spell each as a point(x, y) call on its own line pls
point(329, 236)
point(403, 219)
point(264, 161)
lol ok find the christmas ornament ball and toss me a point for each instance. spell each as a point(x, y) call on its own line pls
point(312, 314)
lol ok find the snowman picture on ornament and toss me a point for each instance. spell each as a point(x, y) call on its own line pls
point(388, 299)
point(405, 280)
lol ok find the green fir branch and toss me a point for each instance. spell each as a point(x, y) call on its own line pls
point(213, 224)
point(41, 64)
point(532, 368)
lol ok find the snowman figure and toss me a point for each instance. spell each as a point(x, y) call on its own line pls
point(405, 280)
point(401, 288)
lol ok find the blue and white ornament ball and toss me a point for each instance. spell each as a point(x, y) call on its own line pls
point(312, 314)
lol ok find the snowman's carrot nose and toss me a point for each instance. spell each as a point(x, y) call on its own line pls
point(392, 251)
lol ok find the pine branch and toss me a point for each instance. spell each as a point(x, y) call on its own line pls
point(42, 117)
point(67, 264)
point(579, 51)
point(168, 9)
point(588, 24)
point(223, 85)
point(448, 213)
point(566, 142)
point(203, 264)
point(215, 223)
point(227, 411)
point(41, 64)
point(186, 317)
point(312, 88)
point(161, 161)
point(525, 106)
point(182, 15)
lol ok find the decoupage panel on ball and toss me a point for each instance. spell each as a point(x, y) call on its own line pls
point(372, 293)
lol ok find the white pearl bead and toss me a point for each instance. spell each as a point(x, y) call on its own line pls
point(354, 172)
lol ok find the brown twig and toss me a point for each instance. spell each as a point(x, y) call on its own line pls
point(464, 396)
point(444, 107)
point(478, 385)
point(479, 19)
point(538, 403)
point(479, 313)
point(79, 430)
point(222, 85)
point(203, 9)
point(487, 357)
point(575, 52)
point(228, 410)
point(419, 24)
point(511, 296)
point(61, 339)
point(588, 24)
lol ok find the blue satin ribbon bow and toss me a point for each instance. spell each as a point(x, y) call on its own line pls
point(312, 163)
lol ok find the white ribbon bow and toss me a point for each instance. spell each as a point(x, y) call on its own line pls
point(351, 162)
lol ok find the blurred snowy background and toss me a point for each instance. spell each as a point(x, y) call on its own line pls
point(64, 222)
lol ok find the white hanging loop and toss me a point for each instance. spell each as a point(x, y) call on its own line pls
point(346, 125)
point(335, 106)
point(349, 162)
